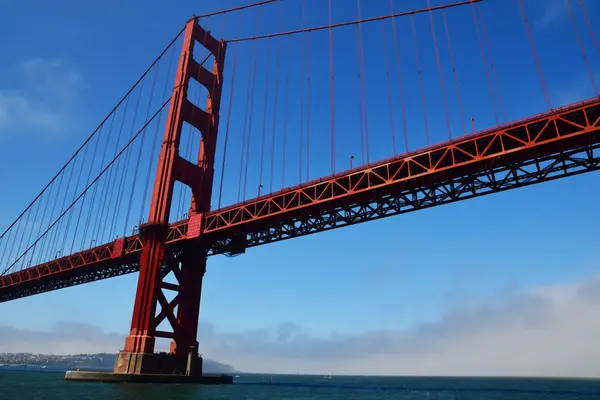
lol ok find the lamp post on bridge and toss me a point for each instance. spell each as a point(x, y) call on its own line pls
point(350, 176)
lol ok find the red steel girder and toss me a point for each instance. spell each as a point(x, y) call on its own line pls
point(549, 146)
point(492, 180)
point(543, 134)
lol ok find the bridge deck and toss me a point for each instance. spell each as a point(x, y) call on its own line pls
point(548, 146)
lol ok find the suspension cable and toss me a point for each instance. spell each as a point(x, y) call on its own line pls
point(398, 64)
point(364, 86)
point(423, 102)
point(331, 93)
point(454, 73)
point(535, 55)
point(110, 164)
point(583, 52)
point(389, 87)
point(278, 57)
point(485, 65)
point(590, 27)
point(439, 67)
point(355, 22)
point(492, 67)
point(231, 92)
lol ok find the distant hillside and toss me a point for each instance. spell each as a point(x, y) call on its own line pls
point(102, 361)
point(214, 367)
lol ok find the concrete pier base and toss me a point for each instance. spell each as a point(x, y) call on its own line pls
point(158, 363)
point(112, 377)
point(154, 368)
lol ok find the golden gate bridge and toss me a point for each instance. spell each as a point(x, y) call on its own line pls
point(273, 133)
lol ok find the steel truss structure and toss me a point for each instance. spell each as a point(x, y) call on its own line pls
point(561, 143)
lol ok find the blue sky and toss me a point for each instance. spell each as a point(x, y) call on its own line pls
point(66, 64)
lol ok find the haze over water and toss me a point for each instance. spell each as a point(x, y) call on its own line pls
point(18, 385)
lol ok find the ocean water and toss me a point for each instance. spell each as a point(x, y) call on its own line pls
point(49, 385)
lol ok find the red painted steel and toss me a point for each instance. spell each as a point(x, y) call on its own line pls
point(553, 137)
point(193, 260)
point(358, 21)
point(515, 142)
point(154, 263)
point(559, 143)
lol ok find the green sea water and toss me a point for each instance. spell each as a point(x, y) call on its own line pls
point(49, 385)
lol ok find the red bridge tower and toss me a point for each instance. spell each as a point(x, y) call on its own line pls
point(187, 264)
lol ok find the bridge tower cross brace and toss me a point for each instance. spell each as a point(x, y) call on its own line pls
point(189, 265)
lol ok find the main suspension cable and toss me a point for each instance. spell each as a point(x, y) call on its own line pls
point(110, 164)
point(95, 130)
point(355, 22)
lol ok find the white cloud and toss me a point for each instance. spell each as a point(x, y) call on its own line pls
point(548, 331)
point(575, 89)
point(552, 12)
point(65, 338)
point(41, 98)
